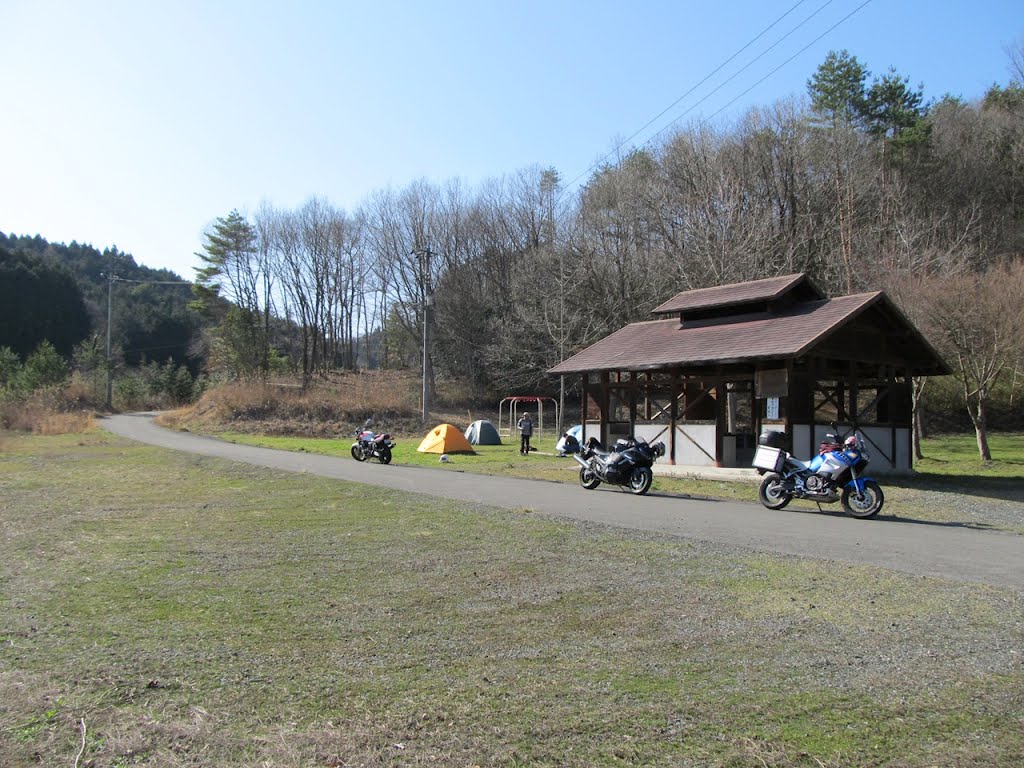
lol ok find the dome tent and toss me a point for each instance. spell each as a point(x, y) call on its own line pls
point(445, 438)
point(482, 432)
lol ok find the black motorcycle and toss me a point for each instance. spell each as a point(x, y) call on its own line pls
point(372, 446)
point(628, 464)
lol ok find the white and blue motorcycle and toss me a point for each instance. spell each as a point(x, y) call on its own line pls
point(835, 474)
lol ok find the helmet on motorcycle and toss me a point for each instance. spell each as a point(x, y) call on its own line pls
point(851, 442)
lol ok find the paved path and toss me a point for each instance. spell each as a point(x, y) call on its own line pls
point(929, 549)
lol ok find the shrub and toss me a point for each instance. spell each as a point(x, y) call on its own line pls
point(44, 368)
point(129, 392)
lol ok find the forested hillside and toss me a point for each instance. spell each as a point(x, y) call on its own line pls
point(59, 293)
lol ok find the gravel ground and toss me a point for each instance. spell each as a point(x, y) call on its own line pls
point(999, 506)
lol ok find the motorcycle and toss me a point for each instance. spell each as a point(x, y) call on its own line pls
point(372, 446)
point(628, 464)
point(835, 474)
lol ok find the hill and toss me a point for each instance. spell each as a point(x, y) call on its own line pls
point(150, 318)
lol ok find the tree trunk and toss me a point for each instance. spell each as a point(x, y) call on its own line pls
point(916, 395)
point(980, 428)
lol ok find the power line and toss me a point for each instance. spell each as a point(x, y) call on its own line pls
point(111, 279)
point(116, 279)
point(787, 61)
point(730, 79)
point(153, 349)
point(755, 60)
point(707, 77)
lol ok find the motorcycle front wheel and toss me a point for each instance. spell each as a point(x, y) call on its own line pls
point(640, 480)
point(384, 457)
point(357, 453)
point(772, 494)
point(588, 479)
point(866, 504)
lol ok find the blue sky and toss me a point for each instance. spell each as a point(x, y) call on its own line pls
point(137, 123)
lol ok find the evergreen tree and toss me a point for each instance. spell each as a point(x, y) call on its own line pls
point(227, 290)
point(891, 107)
point(44, 368)
point(837, 89)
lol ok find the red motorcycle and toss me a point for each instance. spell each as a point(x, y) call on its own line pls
point(369, 445)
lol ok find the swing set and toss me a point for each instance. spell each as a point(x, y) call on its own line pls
point(515, 406)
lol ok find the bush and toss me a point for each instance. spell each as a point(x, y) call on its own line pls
point(155, 386)
point(44, 368)
point(129, 393)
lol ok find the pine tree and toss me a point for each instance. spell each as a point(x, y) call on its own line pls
point(837, 89)
point(227, 290)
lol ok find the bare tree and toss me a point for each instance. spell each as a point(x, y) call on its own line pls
point(977, 319)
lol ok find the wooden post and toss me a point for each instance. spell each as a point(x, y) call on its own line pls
point(721, 398)
point(673, 414)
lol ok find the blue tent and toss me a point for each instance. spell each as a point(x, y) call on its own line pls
point(482, 432)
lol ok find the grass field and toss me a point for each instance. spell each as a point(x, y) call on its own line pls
point(163, 609)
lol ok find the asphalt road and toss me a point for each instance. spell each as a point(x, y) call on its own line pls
point(927, 549)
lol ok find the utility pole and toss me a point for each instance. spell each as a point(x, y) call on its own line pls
point(110, 388)
point(424, 255)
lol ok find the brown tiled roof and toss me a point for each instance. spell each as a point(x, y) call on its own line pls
point(761, 336)
point(735, 294)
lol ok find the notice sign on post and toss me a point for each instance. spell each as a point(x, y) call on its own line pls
point(772, 409)
point(773, 382)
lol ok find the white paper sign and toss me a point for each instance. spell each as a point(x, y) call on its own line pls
point(773, 409)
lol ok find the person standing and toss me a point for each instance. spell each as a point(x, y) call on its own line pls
point(525, 425)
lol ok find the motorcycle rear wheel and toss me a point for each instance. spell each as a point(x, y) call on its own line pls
point(588, 479)
point(865, 505)
point(357, 453)
point(640, 480)
point(771, 493)
point(384, 457)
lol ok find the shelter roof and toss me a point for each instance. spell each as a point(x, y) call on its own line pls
point(797, 330)
point(797, 286)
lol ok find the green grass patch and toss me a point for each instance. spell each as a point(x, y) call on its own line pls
point(171, 609)
point(957, 455)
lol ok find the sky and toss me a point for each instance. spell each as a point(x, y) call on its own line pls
point(138, 123)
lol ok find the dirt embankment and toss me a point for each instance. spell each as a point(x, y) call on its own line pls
point(327, 407)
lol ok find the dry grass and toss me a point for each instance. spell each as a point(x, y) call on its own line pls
point(324, 408)
point(64, 423)
point(45, 413)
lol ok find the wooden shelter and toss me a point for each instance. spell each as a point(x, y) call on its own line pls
point(727, 362)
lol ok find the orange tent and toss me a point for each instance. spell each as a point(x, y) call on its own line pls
point(445, 438)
